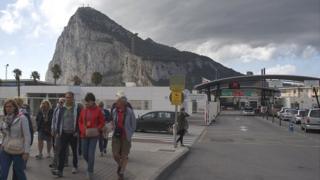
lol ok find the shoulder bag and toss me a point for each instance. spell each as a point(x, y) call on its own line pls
point(90, 132)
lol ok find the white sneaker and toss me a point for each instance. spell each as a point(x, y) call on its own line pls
point(74, 170)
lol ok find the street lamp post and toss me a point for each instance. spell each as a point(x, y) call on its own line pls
point(7, 71)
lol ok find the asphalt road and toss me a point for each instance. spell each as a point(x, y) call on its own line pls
point(251, 148)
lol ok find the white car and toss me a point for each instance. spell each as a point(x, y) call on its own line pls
point(281, 111)
point(311, 120)
point(288, 114)
point(248, 111)
point(297, 119)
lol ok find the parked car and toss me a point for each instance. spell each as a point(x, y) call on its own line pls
point(299, 116)
point(281, 111)
point(156, 121)
point(288, 114)
point(311, 120)
point(248, 111)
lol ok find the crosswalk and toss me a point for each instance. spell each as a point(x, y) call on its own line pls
point(188, 139)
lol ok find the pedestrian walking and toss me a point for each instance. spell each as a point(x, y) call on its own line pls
point(91, 124)
point(103, 139)
point(25, 110)
point(54, 133)
point(80, 106)
point(67, 130)
point(16, 141)
point(44, 121)
point(124, 123)
point(183, 125)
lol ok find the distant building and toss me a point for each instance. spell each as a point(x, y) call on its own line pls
point(249, 73)
point(298, 97)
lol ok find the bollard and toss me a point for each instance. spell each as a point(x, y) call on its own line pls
point(291, 127)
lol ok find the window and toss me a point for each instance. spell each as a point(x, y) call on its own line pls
point(315, 113)
point(166, 115)
point(149, 116)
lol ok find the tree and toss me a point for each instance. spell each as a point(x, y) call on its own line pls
point(76, 80)
point(96, 78)
point(35, 76)
point(17, 73)
point(56, 71)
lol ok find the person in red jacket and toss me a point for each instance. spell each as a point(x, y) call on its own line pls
point(91, 123)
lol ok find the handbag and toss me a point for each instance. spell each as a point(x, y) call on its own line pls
point(14, 145)
point(90, 132)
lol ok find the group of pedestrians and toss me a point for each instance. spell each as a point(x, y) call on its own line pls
point(67, 125)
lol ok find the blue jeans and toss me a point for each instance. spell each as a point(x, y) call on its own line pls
point(89, 149)
point(18, 165)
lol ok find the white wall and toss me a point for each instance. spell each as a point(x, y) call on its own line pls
point(159, 96)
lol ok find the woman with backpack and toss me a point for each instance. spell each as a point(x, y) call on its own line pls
point(16, 141)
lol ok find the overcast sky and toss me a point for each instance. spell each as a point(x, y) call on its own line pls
point(281, 35)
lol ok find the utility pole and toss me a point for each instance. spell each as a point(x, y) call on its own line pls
point(316, 96)
point(7, 71)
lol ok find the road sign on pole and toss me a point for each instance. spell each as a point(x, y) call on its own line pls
point(177, 83)
point(176, 97)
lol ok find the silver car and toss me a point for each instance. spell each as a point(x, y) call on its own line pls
point(281, 111)
point(288, 114)
point(299, 116)
point(248, 111)
point(311, 120)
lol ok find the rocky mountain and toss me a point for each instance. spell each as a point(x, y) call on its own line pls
point(93, 42)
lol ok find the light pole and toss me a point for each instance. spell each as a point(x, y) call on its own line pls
point(7, 70)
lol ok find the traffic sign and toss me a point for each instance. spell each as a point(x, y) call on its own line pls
point(176, 98)
point(177, 83)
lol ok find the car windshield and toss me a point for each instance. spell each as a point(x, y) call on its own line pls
point(315, 113)
point(292, 111)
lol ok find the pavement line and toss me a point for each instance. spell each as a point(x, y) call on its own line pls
point(203, 135)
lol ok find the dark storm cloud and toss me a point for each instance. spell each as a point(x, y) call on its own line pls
point(257, 22)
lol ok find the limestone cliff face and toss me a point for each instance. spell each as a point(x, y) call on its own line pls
point(92, 42)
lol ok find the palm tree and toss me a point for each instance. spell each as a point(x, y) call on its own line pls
point(56, 71)
point(76, 80)
point(35, 75)
point(96, 78)
point(17, 73)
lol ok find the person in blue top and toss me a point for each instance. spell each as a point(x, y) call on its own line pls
point(103, 139)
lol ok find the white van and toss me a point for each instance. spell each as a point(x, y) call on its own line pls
point(312, 120)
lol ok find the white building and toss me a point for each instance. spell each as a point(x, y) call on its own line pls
point(298, 97)
point(143, 99)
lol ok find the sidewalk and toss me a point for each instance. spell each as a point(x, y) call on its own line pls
point(147, 161)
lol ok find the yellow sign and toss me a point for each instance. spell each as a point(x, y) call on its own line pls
point(177, 83)
point(176, 98)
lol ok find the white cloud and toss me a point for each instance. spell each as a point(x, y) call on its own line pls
point(12, 52)
point(282, 69)
point(309, 52)
point(58, 12)
point(231, 52)
point(11, 19)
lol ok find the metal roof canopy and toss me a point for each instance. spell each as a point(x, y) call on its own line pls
point(250, 87)
point(253, 78)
